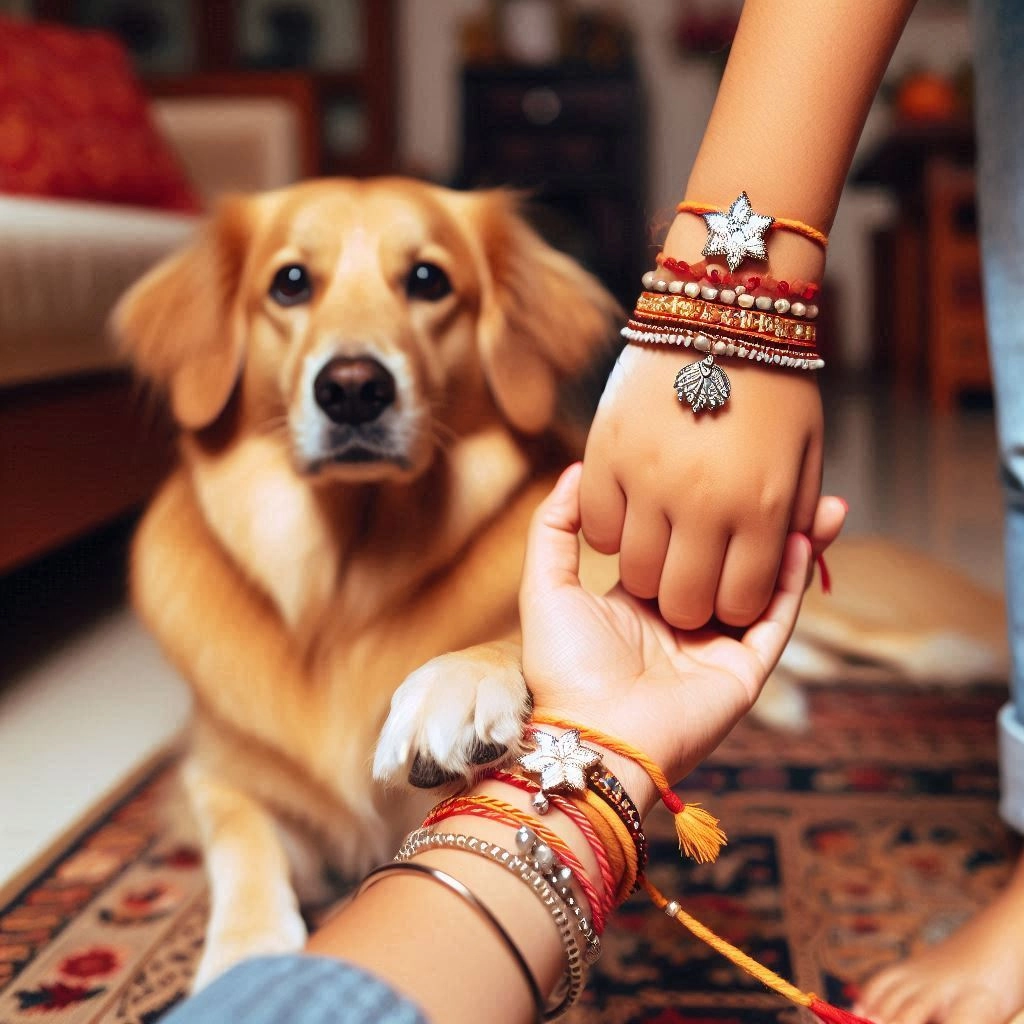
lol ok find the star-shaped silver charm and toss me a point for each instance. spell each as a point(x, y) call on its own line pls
point(561, 761)
point(738, 233)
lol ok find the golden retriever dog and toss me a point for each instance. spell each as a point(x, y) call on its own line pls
point(366, 378)
point(895, 615)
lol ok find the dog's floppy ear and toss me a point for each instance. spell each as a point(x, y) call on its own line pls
point(178, 324)
point(542, 316)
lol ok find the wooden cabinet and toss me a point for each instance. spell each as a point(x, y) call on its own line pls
point(335, 55)
point(575, 137)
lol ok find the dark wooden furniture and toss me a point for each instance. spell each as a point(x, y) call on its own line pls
point(352, 108)
point(576, 137)
point(929, 325)
point(75, 454)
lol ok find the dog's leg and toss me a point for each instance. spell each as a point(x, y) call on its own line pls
point(453, 714)
point(254, 909)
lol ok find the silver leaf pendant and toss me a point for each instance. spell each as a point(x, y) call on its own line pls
point(703, 385)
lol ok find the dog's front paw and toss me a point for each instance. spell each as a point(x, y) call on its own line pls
point(453, 714)
point(230, 945)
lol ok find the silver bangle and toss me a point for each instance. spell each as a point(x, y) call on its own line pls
point(424, 839)
point(449, 882)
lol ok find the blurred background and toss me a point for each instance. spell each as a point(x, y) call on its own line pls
point(122, 120)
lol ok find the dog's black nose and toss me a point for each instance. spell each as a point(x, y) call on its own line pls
point(353, 391)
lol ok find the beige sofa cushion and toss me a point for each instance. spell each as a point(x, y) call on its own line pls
point(63, 265)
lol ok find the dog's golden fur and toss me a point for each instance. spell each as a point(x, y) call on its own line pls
point(295, 589)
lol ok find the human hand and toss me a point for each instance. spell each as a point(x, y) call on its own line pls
point(612, 663)
point(699, 507)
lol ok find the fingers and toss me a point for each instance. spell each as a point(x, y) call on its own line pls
point(768, 636)
point(603, 506)
point(828, 522)
point(645, 541)
point(553, 546)
point(748, 578)
point(808, 488)
point(686, 595)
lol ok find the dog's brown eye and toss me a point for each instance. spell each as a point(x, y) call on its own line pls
point(427, 281)
point(291, 285)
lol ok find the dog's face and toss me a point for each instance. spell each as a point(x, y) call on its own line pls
point(365, 322)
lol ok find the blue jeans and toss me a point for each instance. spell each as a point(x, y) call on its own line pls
point(296, 989)
point(998, 27)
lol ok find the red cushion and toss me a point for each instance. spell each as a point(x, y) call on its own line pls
point(74, 122)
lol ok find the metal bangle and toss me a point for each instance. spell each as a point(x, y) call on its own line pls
point(572, 983)
point(453, 884)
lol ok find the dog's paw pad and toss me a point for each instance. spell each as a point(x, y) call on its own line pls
point(426, 773)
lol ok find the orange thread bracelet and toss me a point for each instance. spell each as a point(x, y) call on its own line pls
point(697, 830)
point(581, 821)
point(778, 223)
point(497, 810)
point(824, 1011)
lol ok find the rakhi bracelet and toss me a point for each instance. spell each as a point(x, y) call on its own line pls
point(481, 909)
point(618, 842)
point(720, 344)
point(704, 280)
point(561, 762)
point(423, 839)
point(608, 787)
point(506, 814)
point(738, 233)
point(609, 878)
point(719, 329)
point(766, 325)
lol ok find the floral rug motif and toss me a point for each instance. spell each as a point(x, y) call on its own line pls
point(850, 846)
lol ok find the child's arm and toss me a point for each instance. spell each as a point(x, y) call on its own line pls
point(699, 506)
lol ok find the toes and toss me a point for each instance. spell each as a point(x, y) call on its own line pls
point(451, 716)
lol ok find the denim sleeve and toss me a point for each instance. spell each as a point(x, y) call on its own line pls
point(296, 989)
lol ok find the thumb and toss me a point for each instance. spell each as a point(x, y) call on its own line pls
point(553, 546)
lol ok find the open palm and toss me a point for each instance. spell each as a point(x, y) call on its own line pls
point(611, 662)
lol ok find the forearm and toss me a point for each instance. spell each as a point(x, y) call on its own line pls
point(792, 104)
point(435, 949)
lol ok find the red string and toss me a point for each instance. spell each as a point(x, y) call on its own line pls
point(826, 578)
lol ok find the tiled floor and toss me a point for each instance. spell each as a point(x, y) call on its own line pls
point(85, 696)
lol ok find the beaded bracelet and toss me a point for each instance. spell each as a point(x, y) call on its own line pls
point(498, 810)
point(609, 878)
point(422, 840)
point(718, 328)
point(702, 279)
point(608, 787)
point(561, 760)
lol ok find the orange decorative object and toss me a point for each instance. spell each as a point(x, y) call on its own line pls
point(75, 124)
point(927, 96)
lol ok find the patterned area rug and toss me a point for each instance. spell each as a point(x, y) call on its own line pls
point(850, 847)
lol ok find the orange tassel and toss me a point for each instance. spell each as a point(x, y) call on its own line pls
point(700, 837)
point(697, 829)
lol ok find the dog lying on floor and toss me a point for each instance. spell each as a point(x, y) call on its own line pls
point(894, 616)
point(365, 376)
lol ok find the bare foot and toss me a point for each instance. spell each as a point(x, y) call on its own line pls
point(976, 976)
